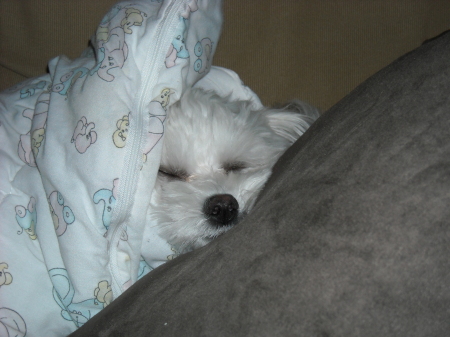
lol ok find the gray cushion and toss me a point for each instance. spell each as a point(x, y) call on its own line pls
point(350, 237)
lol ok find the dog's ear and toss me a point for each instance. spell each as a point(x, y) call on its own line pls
point(292, 120)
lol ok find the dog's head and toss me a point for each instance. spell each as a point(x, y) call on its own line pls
point(217, 155)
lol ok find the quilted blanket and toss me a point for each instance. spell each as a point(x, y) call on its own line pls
point(79, 153)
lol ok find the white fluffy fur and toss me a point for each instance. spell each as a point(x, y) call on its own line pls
point(204, 134)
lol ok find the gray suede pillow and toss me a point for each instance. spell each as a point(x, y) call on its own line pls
point(351, 236)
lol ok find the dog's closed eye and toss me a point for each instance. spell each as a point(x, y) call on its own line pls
point(234, 167)
point(174, 174)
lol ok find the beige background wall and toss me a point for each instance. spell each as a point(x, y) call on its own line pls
point(314, 50)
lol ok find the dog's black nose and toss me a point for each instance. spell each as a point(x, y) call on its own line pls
point(223, 209)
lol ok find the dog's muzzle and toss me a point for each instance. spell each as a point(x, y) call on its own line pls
point(222, 209)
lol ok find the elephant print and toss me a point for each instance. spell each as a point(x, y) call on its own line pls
point(83, 135)
point(191, 6)
point(68, 80)
point(30, 90)
point(108, 197)
point(11, 323)
point(112, 50)
point(177, 49)
point(114, 54)
point(156, 122)
point(29, 143)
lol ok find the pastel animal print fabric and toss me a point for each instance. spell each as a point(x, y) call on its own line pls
point(79, 153)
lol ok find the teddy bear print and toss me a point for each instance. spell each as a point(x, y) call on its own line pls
point(120, 135)
point(5, 277)
point(62, 215)
point(203, 50)
point(83, 135)
point(27, 218)
point(80, 312)
point(164, 98)
point(30, 142)
point(103, 293)
point(118, 16)
point(133, 17)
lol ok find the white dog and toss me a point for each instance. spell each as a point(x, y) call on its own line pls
point(217, 156)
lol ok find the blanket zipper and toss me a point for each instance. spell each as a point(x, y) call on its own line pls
point(133, 161)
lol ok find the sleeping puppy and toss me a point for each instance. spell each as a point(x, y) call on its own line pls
point(217, 155)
